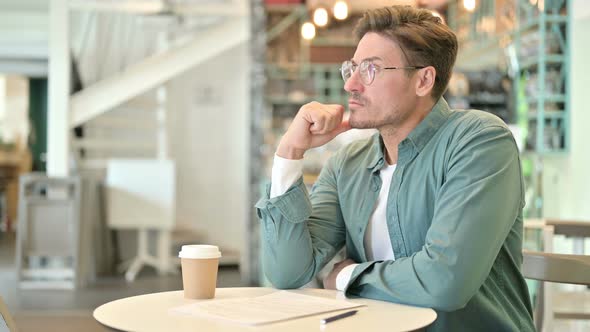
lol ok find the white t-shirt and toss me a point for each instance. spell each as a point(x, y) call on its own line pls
point(285, 173)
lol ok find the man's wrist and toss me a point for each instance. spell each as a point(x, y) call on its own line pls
point(343, 277)
point(285, 173)
point(289, 152)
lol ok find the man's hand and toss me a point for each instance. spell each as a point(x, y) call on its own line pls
point(330, 279)
point(314, 125)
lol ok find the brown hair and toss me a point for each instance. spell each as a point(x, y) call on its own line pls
point(421, 36)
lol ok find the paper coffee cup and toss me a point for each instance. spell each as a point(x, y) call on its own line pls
point(199, 264)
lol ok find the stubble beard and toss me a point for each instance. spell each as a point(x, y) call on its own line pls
point(361, 124)
point(389, 120)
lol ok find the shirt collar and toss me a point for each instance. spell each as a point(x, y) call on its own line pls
point(422, 134)
point(377, 148)
point(418, 137)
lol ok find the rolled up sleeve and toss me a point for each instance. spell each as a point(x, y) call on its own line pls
point(300, 238)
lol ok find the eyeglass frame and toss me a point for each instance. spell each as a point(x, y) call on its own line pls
point(355, 66)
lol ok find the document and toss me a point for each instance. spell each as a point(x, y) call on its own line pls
point(274, 307)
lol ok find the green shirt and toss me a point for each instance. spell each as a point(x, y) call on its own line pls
point(454, 215)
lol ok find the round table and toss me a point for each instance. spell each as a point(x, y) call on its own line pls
point(151, 312)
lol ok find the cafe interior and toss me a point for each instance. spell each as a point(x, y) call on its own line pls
point(130, 128)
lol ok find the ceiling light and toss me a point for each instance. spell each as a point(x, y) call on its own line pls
point(469, 5)
point(340, 10)
point(308, 30)
point(320, 17)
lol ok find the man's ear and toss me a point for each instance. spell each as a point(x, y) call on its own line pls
point(425, 82)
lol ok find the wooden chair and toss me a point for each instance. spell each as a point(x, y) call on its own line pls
point(559, 268)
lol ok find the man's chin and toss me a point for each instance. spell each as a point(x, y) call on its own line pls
point(359, 124)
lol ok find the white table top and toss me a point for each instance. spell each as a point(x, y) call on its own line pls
point(151, 313)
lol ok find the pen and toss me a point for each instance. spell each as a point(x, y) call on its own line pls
point(337, 317)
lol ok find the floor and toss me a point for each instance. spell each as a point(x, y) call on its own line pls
point(66, 310)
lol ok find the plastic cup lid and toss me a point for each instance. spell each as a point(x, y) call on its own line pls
point(199, 251)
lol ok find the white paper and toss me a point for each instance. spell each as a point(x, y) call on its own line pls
point(274, 307)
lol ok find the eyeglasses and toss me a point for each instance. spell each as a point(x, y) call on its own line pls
point(367, 69)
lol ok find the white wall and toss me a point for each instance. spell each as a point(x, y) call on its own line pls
point(210, 107)
point(14, 104)
point(566, 184)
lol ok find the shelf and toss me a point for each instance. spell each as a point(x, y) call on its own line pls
point(279, 100)
point(546, 152)
point(533, 23)
point(547, 96)
point(487, 99)
point(547, 99)
point(550, 115)
point(533, 62)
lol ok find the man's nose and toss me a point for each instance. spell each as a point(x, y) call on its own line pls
point(354, 83)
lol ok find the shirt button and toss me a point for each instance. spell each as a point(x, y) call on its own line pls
point(375, 187)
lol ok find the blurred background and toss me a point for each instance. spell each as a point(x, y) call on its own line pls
point(131, 127)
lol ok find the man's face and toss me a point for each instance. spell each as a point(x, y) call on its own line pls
point(390, 99)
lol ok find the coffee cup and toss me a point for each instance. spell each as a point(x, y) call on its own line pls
point(199, 264)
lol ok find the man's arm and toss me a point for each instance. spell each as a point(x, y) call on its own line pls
point(474, 212)
point(298, 238)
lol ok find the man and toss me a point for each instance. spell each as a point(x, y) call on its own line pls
point(430, 208)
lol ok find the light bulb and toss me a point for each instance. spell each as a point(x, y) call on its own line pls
point(340, 10)
point(308, 30)
point(320, 17)
point(469, 5)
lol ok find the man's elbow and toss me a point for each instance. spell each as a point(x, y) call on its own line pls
point(284, 280)
point(451, 299)
point(284, 284)
point(450, 304)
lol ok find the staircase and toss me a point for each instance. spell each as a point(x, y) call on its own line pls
point(123, 54)
point(121, 111)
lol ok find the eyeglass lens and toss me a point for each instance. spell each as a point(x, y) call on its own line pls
point(366, 70)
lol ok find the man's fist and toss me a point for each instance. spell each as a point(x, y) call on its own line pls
point(314, 125)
